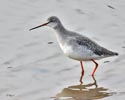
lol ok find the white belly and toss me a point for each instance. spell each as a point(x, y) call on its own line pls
point(78, 53)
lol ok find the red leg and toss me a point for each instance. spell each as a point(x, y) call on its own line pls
point(82, 66)
point(82, 73)
point(96, 66)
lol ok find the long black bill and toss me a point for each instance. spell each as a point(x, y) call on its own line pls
point(39, 26)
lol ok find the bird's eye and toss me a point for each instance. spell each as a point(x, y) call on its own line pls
point(53, 20)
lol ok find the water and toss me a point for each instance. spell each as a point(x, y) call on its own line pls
point(33, 67)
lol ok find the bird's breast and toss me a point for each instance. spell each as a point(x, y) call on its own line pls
point(66, 49)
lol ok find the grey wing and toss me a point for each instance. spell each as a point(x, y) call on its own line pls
point(97, 49)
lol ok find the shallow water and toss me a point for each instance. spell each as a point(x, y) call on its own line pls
point(33, 67)
point(89, 91)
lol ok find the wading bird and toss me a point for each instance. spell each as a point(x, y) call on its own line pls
point(77, 46)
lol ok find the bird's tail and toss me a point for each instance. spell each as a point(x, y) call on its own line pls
point(109, 53)
point(115, 54)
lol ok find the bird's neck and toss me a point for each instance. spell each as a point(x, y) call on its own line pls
point(61, 33)
point(60, 28)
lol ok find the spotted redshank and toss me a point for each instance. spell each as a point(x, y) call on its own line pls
point(77, 46)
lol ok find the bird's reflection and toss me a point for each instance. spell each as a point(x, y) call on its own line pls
point(89, 91)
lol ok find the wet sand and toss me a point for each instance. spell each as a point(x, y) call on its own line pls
point(33, 67)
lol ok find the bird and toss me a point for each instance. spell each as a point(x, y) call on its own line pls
point(77, 46)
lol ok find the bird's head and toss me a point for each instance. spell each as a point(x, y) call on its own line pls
point(52, 21)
